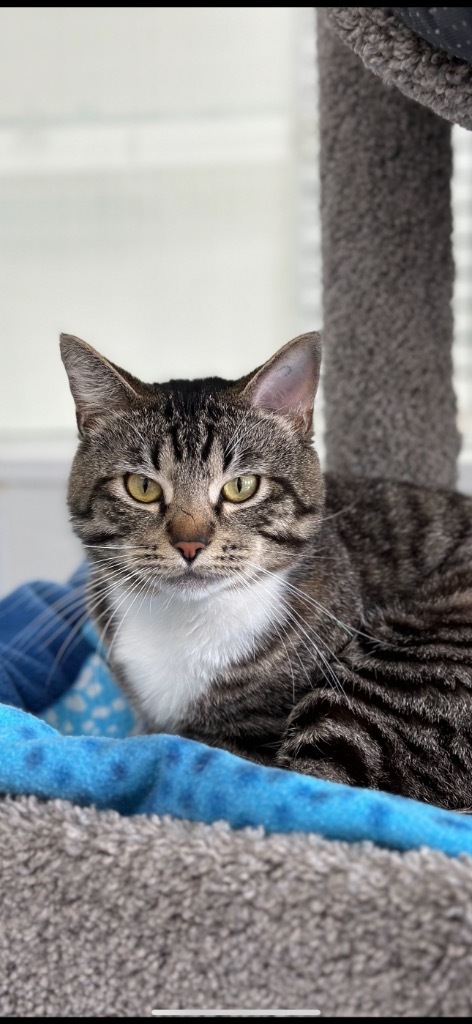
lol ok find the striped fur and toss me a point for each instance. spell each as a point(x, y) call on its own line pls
point(326, 626)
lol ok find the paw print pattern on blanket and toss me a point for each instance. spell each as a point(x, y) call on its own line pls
point(93, 706)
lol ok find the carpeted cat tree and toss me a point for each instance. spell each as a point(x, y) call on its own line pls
point(105, 915)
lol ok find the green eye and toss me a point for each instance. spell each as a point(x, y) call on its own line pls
point(241, 488)
point(141, 488)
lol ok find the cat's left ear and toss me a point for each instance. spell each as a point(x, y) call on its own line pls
point(288, 382)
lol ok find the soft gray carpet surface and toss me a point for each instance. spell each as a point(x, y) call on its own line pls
point(103, 915)
point(387, 271)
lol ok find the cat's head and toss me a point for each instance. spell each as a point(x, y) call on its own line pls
point(195, 485)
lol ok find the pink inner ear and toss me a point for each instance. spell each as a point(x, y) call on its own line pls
point(287, 385)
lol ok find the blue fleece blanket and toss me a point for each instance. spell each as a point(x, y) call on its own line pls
point(52, 666)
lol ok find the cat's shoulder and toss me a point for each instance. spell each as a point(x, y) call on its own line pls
point(370, 492)
point(379, 512)
point(397, 532)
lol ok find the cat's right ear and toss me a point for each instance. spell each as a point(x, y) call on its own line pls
point(96, 385)
point(287, 383)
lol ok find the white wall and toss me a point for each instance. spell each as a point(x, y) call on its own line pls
point(146, 194)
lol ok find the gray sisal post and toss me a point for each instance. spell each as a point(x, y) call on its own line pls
point(387, 276)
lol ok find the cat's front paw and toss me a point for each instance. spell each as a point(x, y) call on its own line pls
point(314, 766)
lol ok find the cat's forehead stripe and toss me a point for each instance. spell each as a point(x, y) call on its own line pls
point(155, 457)
point(174, 434)
point(208, 443)
point(227, 458)
point(168, 408)
point(185, 406)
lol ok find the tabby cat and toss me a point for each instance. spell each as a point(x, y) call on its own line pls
point(317, 623)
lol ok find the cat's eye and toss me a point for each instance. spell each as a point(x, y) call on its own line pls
point(241, 488)
point(142, 488)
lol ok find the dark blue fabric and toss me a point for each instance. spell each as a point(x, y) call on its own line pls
point(448, 28)
point(42, 647)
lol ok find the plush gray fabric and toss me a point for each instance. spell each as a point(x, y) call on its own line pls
point(109, 916)
point(402, 59)
point(387, 273)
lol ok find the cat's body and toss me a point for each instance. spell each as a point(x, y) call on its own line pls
point(319, 624)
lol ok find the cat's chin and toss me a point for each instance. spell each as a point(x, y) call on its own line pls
point(193, 587)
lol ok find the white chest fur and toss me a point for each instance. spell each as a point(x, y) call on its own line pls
point(172, 649)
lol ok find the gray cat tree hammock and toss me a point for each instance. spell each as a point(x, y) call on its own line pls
point(111, 916)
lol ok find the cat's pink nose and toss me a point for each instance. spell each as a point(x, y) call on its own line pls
point(189, 548)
